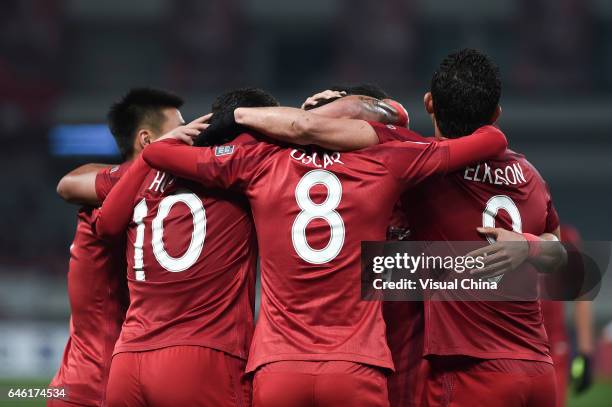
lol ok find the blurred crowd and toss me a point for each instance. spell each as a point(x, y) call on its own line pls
point(51, 50)
point(543, 45)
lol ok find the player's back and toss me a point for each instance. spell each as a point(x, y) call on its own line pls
point(312, 209)
point(504, 192)
point(98, 300)
point(191, 268)
point(98, 297)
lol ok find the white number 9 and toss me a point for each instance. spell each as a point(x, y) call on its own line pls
point(493, 206)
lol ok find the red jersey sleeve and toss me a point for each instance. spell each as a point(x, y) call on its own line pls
point(388, 132)
point(413, 161)
point(107, 178)
point(228, 166)
point(115, 213)
point(552, 218)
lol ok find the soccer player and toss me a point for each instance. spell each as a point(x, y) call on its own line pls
point(479, 353)
point(191, 256)
point(554, 321)
point(316, 341)
point(482, 353)
point(96, 282)
point(404, 320)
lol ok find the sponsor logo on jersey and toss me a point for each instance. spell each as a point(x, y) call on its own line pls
point(224, 150)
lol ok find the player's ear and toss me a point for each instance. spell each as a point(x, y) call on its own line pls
point(143, 138)
point(428, 102)
point(496, 114)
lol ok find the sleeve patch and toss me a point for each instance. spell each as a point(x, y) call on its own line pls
point(224, 150)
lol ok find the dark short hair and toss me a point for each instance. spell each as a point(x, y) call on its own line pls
point(224, 105)
point(243, 97)
point(140, 106)
point(466, 89)
point(365, 89)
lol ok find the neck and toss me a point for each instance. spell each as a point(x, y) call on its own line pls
point(437, 133)
point(133, 156)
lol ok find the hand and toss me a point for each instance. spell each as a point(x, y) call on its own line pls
point(222, 127)
point(314, 100)
point(582, 373)
point(509, 251)
point(188, 132)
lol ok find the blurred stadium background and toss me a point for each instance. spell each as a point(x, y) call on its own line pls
point(62, 62)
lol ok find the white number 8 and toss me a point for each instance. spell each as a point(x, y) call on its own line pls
point(311, 211)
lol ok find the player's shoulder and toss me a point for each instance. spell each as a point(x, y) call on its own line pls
point(390, 133)
point(120, 169)
point(87, 213)
point(511, 155)
point(114, 172)
point(252, 143)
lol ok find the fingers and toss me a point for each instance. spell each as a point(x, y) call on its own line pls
point(188, 133)
point(493, 232)
point(498, 262)
point(311, 101)
point(492, 270)
point(484, 251)
point(191, 131)
point(495, 258)
point(201, 119)
point(326, 94)
point(184, 137)
point(197, 126)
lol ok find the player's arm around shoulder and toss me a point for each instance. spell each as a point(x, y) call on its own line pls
point(296, 126)
point(338, 125)
point(79, 185)
point(115, 213)
point(512, 249)
point(361, 107)
point(546, 251)
point(174, 151)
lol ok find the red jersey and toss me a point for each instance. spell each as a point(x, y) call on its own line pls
point(312, 209)
point(98, 301)
point(191, 261)
point(554, 311)
point(506, 192)
point(554, 321)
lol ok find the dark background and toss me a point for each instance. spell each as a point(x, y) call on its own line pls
point(64, 62)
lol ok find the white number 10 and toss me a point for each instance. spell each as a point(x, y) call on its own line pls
point(172, 264)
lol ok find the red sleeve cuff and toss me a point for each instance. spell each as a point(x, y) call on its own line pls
point(552, 220)
point(101, 184)
point(401, 112)
point(534, 245)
